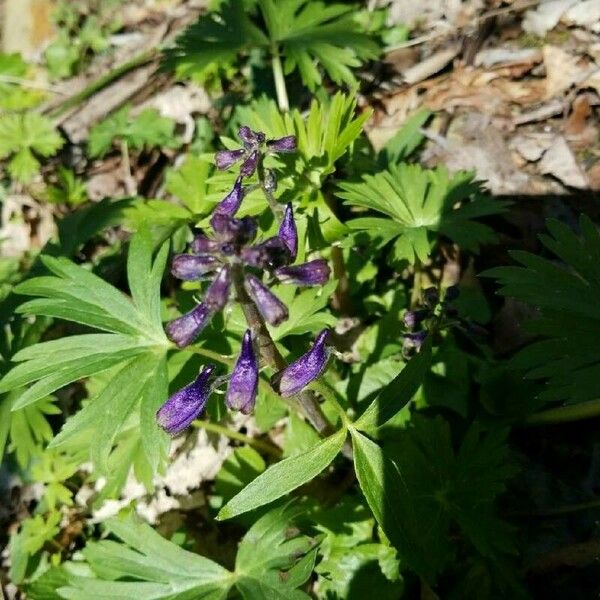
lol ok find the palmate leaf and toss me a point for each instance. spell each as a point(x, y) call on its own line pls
point(418, 487)
point(422, 204)
point(271, 562)
point(309, 34)
point(134, 345)
point(568, 323)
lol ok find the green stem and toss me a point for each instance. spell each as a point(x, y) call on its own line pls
point(240, 437)
point(280, 89)
point(566, 414)
point(226, 360)
point(415, 296)
point(329, 396)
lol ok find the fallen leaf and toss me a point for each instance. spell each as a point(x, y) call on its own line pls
point(546, 16)
point(562, 70)
point(531, 146)
point(560, 162)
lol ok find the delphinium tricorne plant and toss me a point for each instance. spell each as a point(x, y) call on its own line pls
point(238, 264)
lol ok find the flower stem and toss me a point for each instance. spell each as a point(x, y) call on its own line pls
point(278, 77)
point(329, 395)
point(416, 289)
point(226, 360)
point(240, 437)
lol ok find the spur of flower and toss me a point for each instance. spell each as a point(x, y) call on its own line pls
point(230, 257)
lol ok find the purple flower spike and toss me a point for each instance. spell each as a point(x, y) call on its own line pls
point(185, 329)
point(225, 158)
point(186, 404)
point(249, 165)
point(284, 144)
point(217, 293)
point(315, 272)
point(272, 309)
point(243, 385)
point(231, 203)
point(193, 266)
point(251, 138)
point(236, 231)
point(272, 253)
point(288, 232)
point(301, 372)
point(202, 245)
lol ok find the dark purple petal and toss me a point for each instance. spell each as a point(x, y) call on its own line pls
point(431, 297)
point(186, 404)
point(288, 232)
point(414, 317)
point(249, 165)
point(243, 385)
point(272, 253)
point(202, 245)
point(301, 372)
point(217, 293)
point(185, 329)
point(284, 144)
point(272, 309)
point(235, 231)
point(251, 138)
point(225, 158)
point(315, 272)
point(231, 203)
point(193, 266)
point(414, 340)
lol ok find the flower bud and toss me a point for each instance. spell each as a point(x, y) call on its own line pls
point(217, 294)
point(231, 203)
point(270, 254)
point(243, 385)
point(301, 372)
point(185, 329)
point(193, 266)
point(236, 231)
point(203, 245)
point(414, 340)
point(284, 144)
point(272, 309)
point(225, 158)
point(186, 404)
point(288, 232)
point(413, 317)
point(251, 138)
point(315, 272)
point(431, 297)
point(249, 165)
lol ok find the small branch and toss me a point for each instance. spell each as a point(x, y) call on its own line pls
point(33, 85)
point(278, 77)
point(130, 184)
point(240, 437)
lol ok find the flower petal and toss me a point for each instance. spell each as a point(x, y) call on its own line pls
point(315, 272)
point(243, 385)
point(251, 138)
point(272, 309)
point(193, 266)
point(225, 158)
point(231, 203)
point(185, 329)
point(186, 404)
point(288, 232)
point(270, 254)
point(235, 231)
point(249, 165)
point(284, 144)
point(301, 372)
point(217, 293)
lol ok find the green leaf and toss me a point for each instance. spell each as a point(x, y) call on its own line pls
point(423, 202)
point(146, 566)
point(285, 476)
point(407, 139)
point(567, 322)
point(418, 487)
point(398, 393)
point(189, 183)
point(273, 559)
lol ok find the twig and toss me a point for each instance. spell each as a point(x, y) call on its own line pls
point(34, 85)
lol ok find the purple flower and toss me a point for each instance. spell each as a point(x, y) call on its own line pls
point(231, 203)
point(273, 310)
point(301, 372)
point(284, 144)
point(236, 231)
point(217, 293)
point(414, 340)
point(288, 232)
point(202, 245)
point(249, 165)
point(431, 297)
point(414, 317)
point(193, 266)
point(225, 158)
point(270, 254)
point(185, 329)
point(243, 385)
point(251, 139)
point(315, 272)
point(186, 404)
